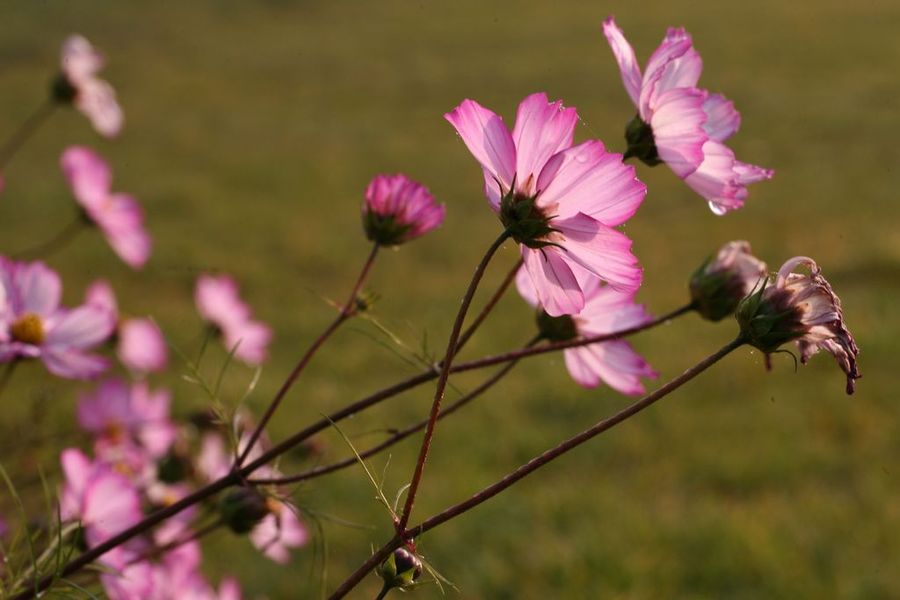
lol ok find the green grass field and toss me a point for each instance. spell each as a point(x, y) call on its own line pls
point(251, 132)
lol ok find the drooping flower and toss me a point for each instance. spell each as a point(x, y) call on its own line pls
point(800, 307)
point(720, 284)
point(559, 202)
point(34, 325)
point(218, 303)
point(122, 413)
point(398, 209)
point(79, 85)
point(140, 344)
point(606, 310)
point(119, 216)
point(680, 124)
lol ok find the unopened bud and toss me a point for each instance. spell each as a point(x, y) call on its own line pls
point(243, 508)
point(720, 283)
point(401, 569)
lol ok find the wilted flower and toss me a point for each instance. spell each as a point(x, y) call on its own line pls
point(140, 344)
point(803, 308)
point(79, 85)
point(398, 209)
point(720, 284)
point(606, 310)
point(681, 125)
point(118, 216)
point(34, 325)
point(560, 202)
point(218, 303)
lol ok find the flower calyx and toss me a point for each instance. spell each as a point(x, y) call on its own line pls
point(641, 143)
point(524, 220)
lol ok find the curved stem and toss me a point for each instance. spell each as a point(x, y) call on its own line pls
point(532, 466)
point(442, 379)
point(348, 310)
point(25, 131)
point(57, 242)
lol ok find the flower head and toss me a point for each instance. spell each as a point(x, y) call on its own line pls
point(398, 209)
point(119, 216)
point(606, 310)
point(34, 325)
point(720, 284)
point(800, 307)
point(559, 202)
point(218, 303)
point(279, 531)
point(78, 84)
point(680, 124)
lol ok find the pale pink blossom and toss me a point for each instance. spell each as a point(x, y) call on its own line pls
point(680, 124)
point(279, 531)
point(118, 216)
point(218, 303)
point(398, 209)
point(94, 97)
point(720, 284)
point(125, 575)
point(606, 310)
point(104, 501)
point(119, 412)
point(560, 202)
point(34, 325)
point(140, 345)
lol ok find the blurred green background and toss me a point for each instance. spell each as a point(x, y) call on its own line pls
point(251, 131)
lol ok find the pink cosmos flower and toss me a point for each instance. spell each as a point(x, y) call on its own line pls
point(606, 310)
point(218, 303)
point(34, 325)
point(103, 500)
point(398, 209)
point(681, 125)
point(560, 202)
point(279, 531)
point(119, 413)
point(141, 346)
point(79, 84)
point(119, 216)
point(801, 307)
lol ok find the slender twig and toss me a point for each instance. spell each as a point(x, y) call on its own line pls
point(488, 307)
point(394, 438)
point(442, 379)
point(348, 310)
point(57, 242)
point(235, 477)
point(529, 467)
point(25, 131)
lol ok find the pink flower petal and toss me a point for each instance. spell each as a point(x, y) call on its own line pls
point(142, 347)
point(542, 129)
point(96, 99)
point(88, 175)
point(526, 288)
point(586, 179)
point(601, 250)
point(678, 129)
point(487, 138)
point(78, 59)
point(672, 65)
point(553, 281)
point(35, 288)
point(101, 295)
point(73, 364)
point(628, 65)
point(82, 327)
point(722, 120)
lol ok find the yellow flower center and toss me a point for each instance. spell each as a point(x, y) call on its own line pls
point(28, 329)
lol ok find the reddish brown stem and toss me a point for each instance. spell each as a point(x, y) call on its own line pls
point(531, 466)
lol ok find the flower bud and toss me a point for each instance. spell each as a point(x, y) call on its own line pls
point(720, 284)
point(243, 508)
point(803, 308)
point(401, 569)
point(398, 209)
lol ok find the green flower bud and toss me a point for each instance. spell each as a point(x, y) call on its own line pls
point(720, 284)
point(401, 569)
point(242, 508)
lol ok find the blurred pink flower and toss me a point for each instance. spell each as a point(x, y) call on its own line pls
point(279, 531)
point(103, 500)
point(117, 413)
point(398, 209)
point(119, 216)
point(140, 344)
point(559, 201)
point(94, 97)
point(218, 303)
point(681, 125)
point(33, 325)
point(606, 310)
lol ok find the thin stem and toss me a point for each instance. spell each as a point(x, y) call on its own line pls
point(396, 437)
point(57, 242)
point(442, 379)
point(488, 307)
point(25, 131)
point(531, 466)
point(348, 310)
